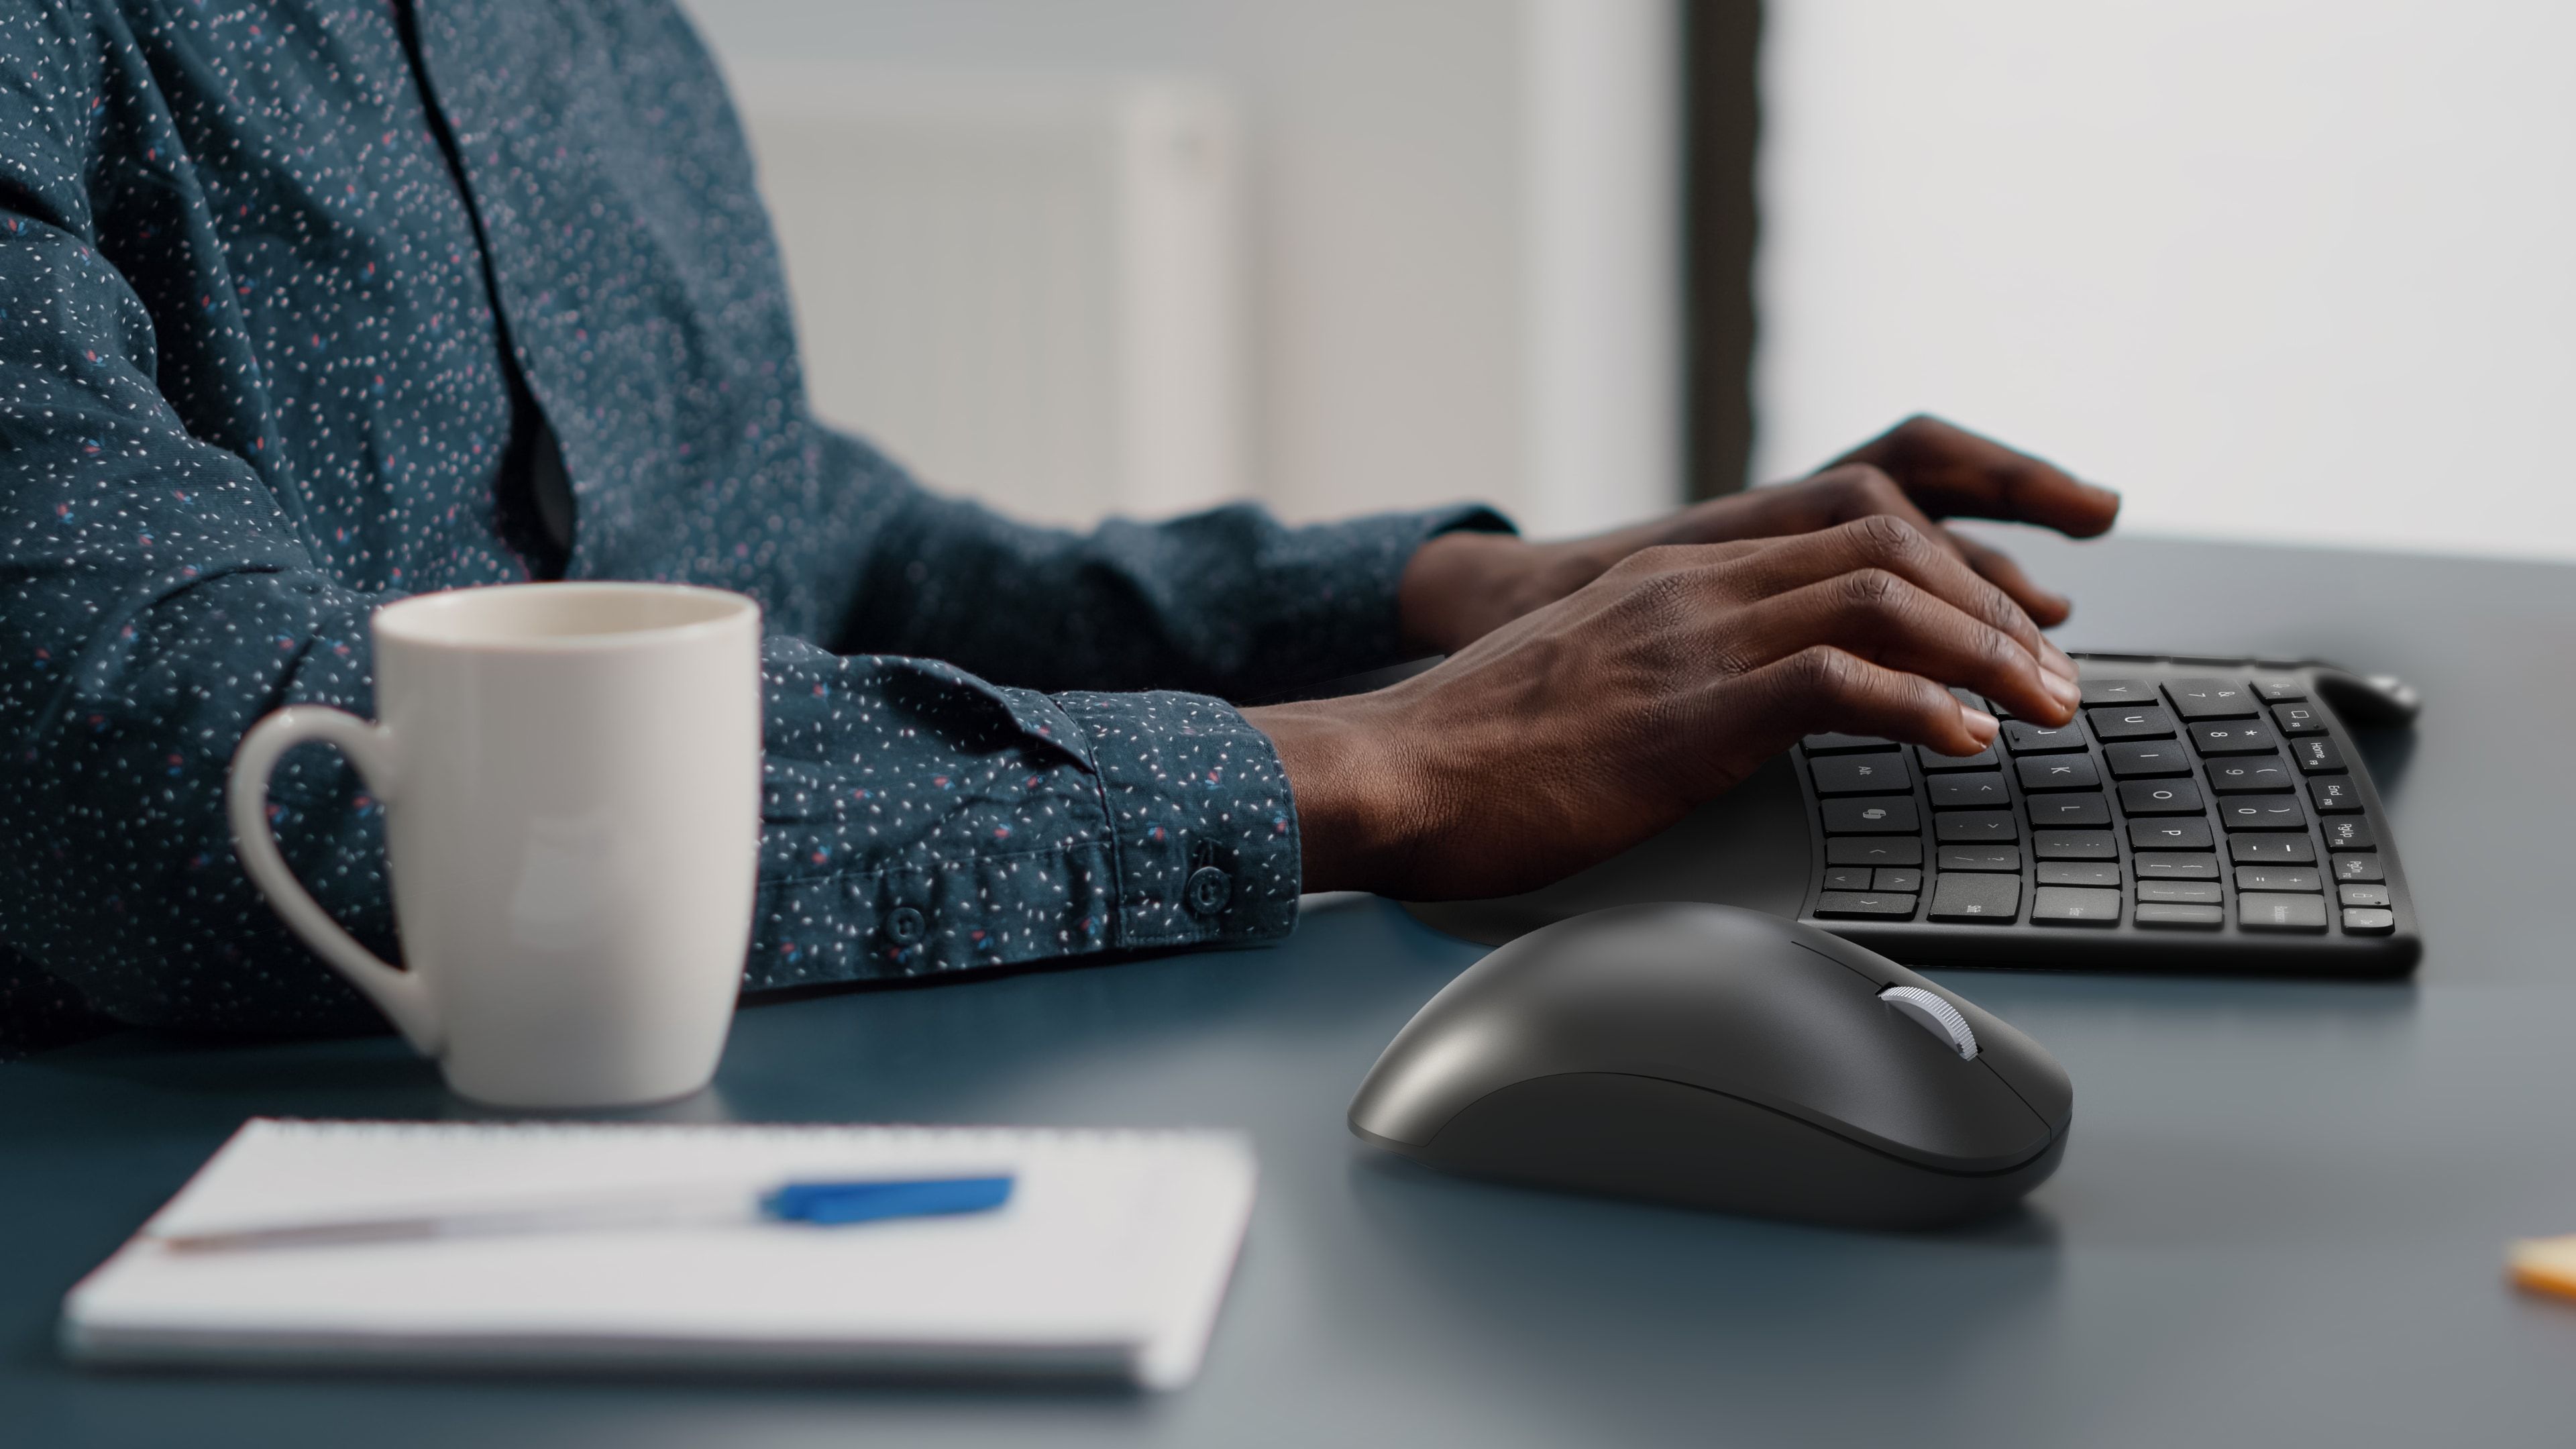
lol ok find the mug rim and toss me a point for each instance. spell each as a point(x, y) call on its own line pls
point(396, 622)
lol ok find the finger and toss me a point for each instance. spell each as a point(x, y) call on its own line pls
point(1887, 543)
point(1825, 688)
point(1879, 617)
point(2047, 608)
point(1954, 473)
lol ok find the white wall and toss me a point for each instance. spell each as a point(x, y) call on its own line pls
point(1407, 296)
point(2295, 269)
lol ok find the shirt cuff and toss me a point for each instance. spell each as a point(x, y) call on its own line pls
point(1202, 827)
point(1357, 569)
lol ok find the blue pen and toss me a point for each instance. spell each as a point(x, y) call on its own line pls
point(823, 1204)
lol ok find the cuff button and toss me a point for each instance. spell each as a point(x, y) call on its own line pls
point(1208, 890)
point(904, 926)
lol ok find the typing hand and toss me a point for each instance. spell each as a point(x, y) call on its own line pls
point(1462, 586)
point(1586, 725)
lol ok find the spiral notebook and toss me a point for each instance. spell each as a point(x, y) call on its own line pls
point(1109, 1260)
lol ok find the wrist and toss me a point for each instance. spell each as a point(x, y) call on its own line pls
point(1458, 587)
point(1356, 829)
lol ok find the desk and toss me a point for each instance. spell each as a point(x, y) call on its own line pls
point(2280, 1220)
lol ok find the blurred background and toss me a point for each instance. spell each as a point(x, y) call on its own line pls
point(2289, 270)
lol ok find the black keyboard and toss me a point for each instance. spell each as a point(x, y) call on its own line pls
point(2197, 815)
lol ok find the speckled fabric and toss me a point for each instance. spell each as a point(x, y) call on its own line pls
point(290, 297)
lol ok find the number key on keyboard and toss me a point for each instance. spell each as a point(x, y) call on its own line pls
point(2263, 812)
point(2210, 698)
point(2246, 774)
point(2235, 737)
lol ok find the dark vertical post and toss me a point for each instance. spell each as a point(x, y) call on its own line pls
point(1721, 131)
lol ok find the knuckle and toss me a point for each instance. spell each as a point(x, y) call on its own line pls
point(1885, 536)
point(1875, 591)
point(1821, 671)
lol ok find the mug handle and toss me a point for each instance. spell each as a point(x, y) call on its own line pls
point(402, 995)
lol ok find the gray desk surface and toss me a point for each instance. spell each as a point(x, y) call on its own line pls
point(2279, 1221)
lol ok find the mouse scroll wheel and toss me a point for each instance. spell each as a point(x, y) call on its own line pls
point(1927, 1010)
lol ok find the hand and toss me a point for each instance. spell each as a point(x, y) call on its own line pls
point(1593, 722)
point(1462, 586)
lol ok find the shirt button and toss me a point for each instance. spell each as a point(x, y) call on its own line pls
point(905, 926)
point(1209, 890)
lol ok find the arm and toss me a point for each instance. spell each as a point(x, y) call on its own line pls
point(1227, 602)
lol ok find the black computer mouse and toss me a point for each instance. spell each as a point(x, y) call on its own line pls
point(1721, 1058)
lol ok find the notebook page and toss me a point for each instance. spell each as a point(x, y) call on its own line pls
point(1114, 1247)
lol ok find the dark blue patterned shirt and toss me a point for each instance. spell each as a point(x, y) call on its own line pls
point(298, 301)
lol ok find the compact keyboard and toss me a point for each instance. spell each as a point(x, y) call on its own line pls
point(2197, 814)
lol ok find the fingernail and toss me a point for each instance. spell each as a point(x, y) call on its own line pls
point(2055, 660)
point(2065, 690)
point(1979, 723)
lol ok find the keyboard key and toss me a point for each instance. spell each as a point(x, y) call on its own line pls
point(2277, 690)
point(1933, 760)
point(1865, 903)
point(2169, 834)
point(2024, 738)
point(2117, 691)
point(1976, 827)
point(1873, 852)
point(2161, 866)
point(1848, 878)
point(2172, 917)
point(2270, 850)
point(2181, 892)
point(2263, 812)
point(2210, 698)
point(1981, 857)
point(2334, 794)
point(2316, 755)
point(1871, 815)
point(2258, 912)
point(2362, 895)
point(2248, 774)
point(2068, 906)
point(2143, 759)
point(2144, 723)
point(2235, 737)
point(1968, 790)
point(1992, 899)
point(2089, 809)
point(2058, 772)
point(2350, 835)
point(2278, 878)
point(2299, 719)
point(2074, 845)
point(2358, 867)
point(2159, 797)
point(1907, 881)
point(1834, 744)
point(2080, 873)
point(2365, 921)
point(1860, 774)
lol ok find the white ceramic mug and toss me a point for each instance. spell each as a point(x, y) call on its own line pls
point(570, 775)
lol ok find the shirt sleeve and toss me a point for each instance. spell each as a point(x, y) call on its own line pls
point(1228, 602)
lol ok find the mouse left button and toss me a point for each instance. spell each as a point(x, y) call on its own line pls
point(1927, 1010)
